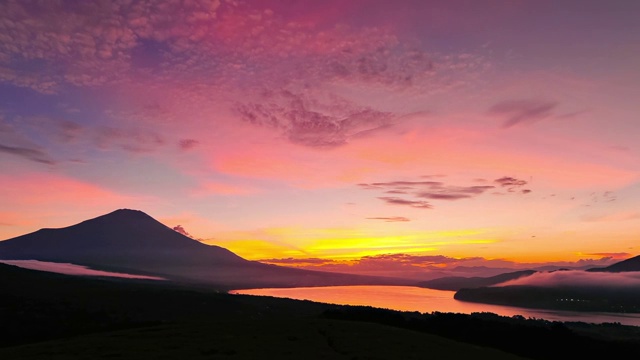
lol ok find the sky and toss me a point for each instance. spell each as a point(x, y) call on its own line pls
point(331, 133)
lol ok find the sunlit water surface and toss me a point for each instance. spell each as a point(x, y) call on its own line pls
point(408, 298)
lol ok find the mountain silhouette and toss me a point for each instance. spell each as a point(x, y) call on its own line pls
point(632, 264)
point(455, 283)
point(133, 242)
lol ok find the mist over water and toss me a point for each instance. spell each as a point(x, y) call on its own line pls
point(579, 278)
point(409, 298)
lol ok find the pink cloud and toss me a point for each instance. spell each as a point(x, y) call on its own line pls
point(180, 229)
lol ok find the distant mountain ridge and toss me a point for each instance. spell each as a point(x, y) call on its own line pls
point(455, 283)
point(632, 264)
point(131, 241)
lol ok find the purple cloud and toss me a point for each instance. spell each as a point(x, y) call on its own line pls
point(131, 140)
point(411, 203)
point(432, 190)
point(522, 111)
point(187, 144)
point(307, 120)
point(32, 154)
point(441, 196)
point(408, 184)
point(511, 184)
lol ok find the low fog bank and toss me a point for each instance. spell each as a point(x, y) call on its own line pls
point(578, 278)
point(71, 269)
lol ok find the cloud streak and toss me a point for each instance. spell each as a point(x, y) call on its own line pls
point(436, 190)
point(520, 112)
point(404, 202)
point(32, 154)
point(391, 218)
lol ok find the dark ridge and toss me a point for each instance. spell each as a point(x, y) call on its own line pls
point(632, 264)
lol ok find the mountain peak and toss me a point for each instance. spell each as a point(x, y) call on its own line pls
point(128, 212)
point(123, 237)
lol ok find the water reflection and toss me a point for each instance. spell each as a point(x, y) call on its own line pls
point(408, 298)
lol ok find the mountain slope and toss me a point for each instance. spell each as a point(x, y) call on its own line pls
point(119, 238)
point(455, 283)
point(133, 242)
point(632, 264)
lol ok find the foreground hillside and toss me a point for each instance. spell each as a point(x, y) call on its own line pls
point(57, 316)
point(257, 339)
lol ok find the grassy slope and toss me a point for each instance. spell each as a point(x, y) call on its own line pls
point(257, 339)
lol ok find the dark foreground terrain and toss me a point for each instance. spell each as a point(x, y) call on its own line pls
point(52, 316)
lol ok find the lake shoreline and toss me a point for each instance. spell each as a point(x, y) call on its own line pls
point(412, 298)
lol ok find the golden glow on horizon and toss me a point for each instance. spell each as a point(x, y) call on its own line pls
point(342, 243)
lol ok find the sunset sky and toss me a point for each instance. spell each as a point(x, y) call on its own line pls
point(330, 130)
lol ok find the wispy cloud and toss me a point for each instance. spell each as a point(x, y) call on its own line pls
point(410, 203)
point(130, 140)
point(432, 190)
point(187, 144)
point(181, 230)
point(310, 121)
point(454, 192)
point(391, 218)
point(512, 184)
point(32, 154)
point(518, 112)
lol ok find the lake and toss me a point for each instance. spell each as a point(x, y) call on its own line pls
point(409, 298)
